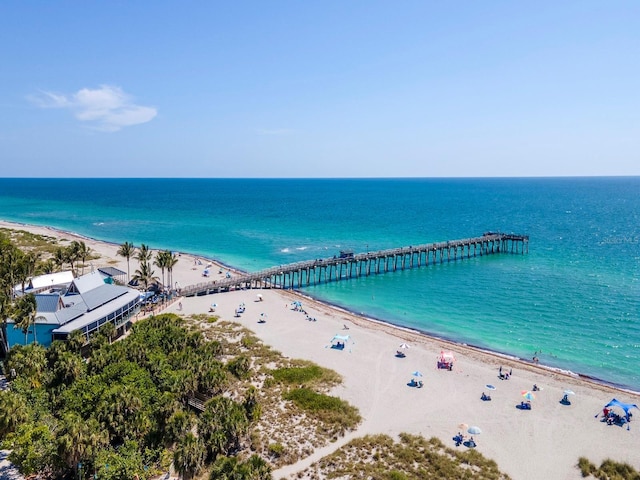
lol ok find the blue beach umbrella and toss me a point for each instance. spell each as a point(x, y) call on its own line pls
point(417, 374)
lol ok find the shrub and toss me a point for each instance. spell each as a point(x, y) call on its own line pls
point(297, 375)
point(330, 410)
point(276, 449)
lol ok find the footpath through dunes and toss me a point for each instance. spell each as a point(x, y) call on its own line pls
point(351, 265)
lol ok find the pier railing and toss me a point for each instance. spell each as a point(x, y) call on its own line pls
point(323, 270)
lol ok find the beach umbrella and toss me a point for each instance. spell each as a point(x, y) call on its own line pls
point(214, 305)
point(417, 374)
point(569, 392)
point(463, 426)
point(474, 430)
point(528, 395)
point(404, 345)
point(490, 387)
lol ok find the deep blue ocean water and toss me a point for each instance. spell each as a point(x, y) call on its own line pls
point(574, 298)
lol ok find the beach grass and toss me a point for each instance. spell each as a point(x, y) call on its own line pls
point(411, 457)
point(608, 470)
point(329, 410)
point(31, 241)
point(305, 374)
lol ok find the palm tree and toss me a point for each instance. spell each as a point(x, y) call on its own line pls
point(230, 468)
point(171, 262)
point(189, 456)
point(83, 252)
point(27, 267)
point(25, 309)
point(29, 363)
point(145, 275)
point(127, 250)
point(222, 425)
point(69, 367)
point(48, 266)
point(144, 254)
point(12, 273)
point(73, 255)
point(60, 257)
point(11, 267)
point(76, 340)
point(258, 468)
point(13, 412)
point(162, 261)
point(108, 330)
point(79, 440)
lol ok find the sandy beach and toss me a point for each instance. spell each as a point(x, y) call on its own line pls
point(544, 442)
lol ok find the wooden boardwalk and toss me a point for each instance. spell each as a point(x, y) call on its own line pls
point(323, 270)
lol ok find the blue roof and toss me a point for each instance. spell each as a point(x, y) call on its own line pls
point(47, 302)
point(111, 271)
point(103, 294)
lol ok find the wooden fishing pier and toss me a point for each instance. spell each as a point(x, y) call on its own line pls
point(347, 266)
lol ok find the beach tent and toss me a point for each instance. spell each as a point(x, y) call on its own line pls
point(340, 341)
point(624, 406)
point(446, 359)
point(340, 338)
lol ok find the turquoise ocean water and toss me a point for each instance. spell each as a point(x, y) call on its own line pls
point(574, 298)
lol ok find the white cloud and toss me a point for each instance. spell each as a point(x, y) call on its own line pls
point(107, 108)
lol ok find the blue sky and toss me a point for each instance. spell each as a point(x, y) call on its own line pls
point(319, 89)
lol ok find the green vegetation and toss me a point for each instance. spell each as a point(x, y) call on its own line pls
point(126, 407)
point(329, 410)
point(298, 375)
point(608, 470)
point(28, 241)
point(33, 254)
point(412, 458)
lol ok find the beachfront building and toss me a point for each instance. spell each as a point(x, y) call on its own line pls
point(84, 304)
point(46, 282)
